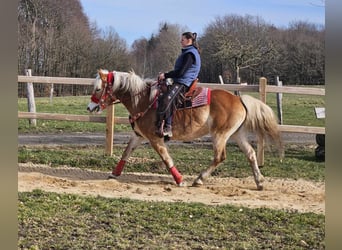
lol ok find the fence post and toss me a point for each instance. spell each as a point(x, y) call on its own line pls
point(30, 99)
point(221, 79)
point(279, 101)
point(51, 92)
point(109, 130)
point(261, 140)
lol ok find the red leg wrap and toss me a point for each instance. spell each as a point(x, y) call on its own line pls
point(176, 175)
point(118, 169)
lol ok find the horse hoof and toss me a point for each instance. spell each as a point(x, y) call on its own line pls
point(182, 184)
point(111, 176)
point(197, 183)
point(260, 187)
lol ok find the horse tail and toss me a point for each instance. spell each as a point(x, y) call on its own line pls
point(262, 120)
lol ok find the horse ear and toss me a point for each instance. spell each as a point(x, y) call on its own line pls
point(103, 76)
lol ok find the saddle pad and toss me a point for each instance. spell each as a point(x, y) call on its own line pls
point(202, 98)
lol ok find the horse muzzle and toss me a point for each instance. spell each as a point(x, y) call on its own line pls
point(94, 108)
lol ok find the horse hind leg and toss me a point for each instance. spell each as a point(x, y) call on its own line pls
point(219, 145)
point(133, 143)
point(248, 150)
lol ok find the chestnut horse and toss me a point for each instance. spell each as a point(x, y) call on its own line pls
point(227, 116)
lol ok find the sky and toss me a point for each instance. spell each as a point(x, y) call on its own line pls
point(135, 19)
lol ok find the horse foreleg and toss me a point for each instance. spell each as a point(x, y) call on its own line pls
point(246, 147)
point(133, 143)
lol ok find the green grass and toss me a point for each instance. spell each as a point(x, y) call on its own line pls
point(58, 221)
point(297, 109)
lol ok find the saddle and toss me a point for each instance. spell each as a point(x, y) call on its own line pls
point(194, 97)
point(193, 90)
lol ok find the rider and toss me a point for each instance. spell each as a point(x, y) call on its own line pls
point(186, 70)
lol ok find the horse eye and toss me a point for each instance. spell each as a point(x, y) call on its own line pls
point(97, 90)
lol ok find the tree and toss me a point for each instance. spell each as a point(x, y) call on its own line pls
point(157, 54)
point(139, 56)
point(109, 51)
point(233, 43)
point(56, 39)
point(302, 54)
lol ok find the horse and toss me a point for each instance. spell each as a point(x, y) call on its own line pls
point(226, 116)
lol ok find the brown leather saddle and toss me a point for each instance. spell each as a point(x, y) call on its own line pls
point(193, 90)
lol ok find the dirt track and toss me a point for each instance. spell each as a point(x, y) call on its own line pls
point(297, 195)
point(293, 195)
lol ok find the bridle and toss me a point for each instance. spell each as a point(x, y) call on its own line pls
point(107, 92)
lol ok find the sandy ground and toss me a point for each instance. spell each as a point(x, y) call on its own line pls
point(290, 195)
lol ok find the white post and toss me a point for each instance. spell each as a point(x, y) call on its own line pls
point(51, 92)
point(279, 101)
point(221, 79)
point(238, 80)
point(30, 99)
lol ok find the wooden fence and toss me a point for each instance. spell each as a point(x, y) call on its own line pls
point(110, 118)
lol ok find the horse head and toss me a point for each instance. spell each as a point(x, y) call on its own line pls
point(102, 95)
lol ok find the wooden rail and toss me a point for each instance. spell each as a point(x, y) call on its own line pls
point(57, 80)
point(110, 118)
point(302, 129)
point(67, 117)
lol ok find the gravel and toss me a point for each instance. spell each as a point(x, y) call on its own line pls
point(123, 138)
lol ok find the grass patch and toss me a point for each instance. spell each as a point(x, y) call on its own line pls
point(57, 221)
point(299, 161)
point(298, 109)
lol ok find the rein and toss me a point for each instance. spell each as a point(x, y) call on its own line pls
point(138, 115)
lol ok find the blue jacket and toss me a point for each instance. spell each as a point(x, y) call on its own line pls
point(192, 73)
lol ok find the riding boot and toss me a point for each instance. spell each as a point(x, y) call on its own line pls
point(167, 131)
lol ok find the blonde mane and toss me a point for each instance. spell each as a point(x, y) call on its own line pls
point(132, 83)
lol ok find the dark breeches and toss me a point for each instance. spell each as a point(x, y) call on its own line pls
point(167, 101)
